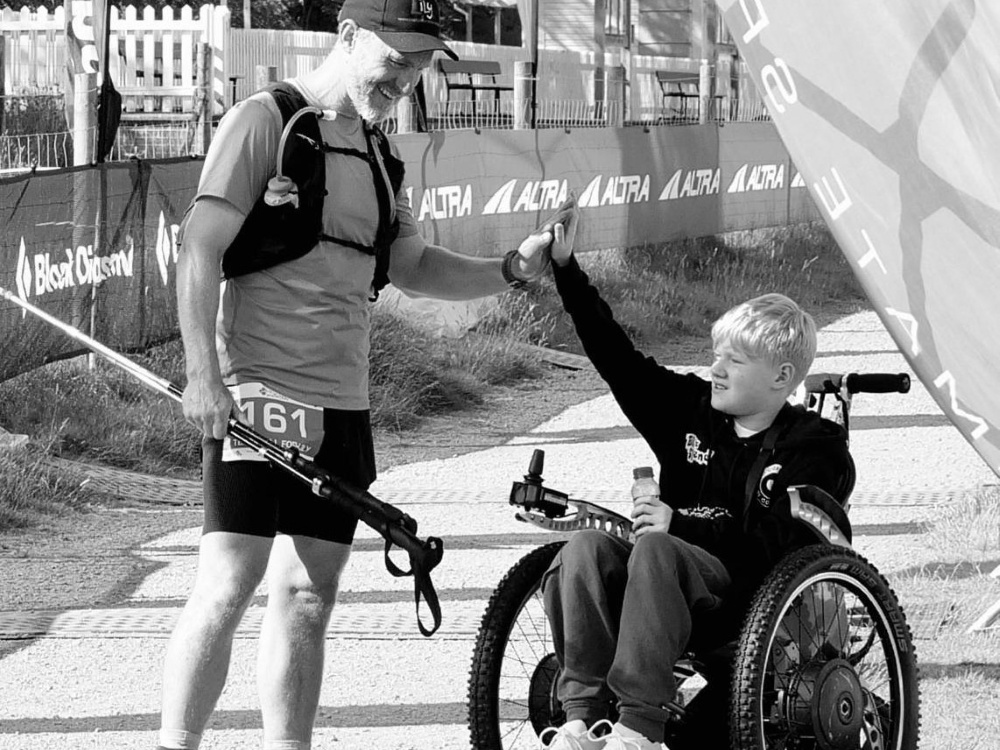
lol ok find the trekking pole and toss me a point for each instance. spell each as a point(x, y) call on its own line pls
point(395, 526)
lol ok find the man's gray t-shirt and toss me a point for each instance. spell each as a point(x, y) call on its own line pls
point(301, 327)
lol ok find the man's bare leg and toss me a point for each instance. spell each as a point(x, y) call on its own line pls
point(230, 567)
point(302, 587)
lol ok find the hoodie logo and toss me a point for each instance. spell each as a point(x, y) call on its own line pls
point(695, 455)
point(766, 486)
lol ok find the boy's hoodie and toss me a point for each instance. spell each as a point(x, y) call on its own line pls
point(704, 466)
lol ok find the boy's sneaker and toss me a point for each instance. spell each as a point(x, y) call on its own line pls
point(573, 735)
point(623, 738)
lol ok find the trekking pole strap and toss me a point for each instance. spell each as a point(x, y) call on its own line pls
point(421, 564)
point(395, 526)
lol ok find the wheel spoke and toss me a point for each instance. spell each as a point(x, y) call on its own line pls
point(528, 643)
point(532, 625)
point(873, 727)
point(830, 670)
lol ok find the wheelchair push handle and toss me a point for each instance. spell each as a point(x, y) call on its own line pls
point(854, 382)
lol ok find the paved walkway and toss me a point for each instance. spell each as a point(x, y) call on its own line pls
point(91, 678)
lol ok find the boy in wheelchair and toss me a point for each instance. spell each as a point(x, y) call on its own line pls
point(622, 614)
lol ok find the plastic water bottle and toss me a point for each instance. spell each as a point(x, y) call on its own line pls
point(644, 485)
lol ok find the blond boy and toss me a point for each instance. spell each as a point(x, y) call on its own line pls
point(622, 614)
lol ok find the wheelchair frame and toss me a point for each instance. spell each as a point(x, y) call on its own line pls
point(784, 691)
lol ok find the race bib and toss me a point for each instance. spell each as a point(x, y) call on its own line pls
point(279, 418)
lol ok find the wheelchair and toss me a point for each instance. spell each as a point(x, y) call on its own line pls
point(824, 659)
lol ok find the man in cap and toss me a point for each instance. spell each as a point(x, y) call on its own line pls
point(286, 343)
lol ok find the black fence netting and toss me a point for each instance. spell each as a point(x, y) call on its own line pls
point(93, 246)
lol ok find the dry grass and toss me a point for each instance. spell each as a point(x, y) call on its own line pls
point(959, 670)
point(31, 488)
point(103, 415)
point(960, 691)
point(970, 527)
point(679, 289)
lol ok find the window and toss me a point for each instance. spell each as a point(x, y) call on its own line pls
point(616, 21)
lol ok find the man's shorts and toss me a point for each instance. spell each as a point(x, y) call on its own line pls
point(257, 498)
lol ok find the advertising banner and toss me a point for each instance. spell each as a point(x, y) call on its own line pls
point(110, 275)
point(479, 192)
point(108, 266)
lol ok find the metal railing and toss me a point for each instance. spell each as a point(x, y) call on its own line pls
point(166, 137)
point(23, 153)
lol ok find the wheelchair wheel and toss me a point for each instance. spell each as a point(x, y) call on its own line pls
point(825, 660)
point(512, 682)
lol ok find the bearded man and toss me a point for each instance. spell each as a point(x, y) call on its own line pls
point(283, 341)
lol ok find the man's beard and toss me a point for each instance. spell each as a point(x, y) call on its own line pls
point(364, 95)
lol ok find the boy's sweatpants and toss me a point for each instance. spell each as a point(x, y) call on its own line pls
point(621, 617)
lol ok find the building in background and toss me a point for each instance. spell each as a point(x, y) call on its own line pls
point(627, 37)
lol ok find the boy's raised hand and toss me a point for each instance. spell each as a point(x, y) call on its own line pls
point(564, 235)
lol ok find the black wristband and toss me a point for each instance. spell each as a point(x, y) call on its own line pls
point(508, 272)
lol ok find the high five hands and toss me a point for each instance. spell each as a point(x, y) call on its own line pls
point(553, 239)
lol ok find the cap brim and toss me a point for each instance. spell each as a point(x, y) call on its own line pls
point(409, 41)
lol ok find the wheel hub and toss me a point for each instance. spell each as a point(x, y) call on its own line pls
point(828, 698)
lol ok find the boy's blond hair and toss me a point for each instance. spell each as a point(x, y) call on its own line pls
point(771, 327)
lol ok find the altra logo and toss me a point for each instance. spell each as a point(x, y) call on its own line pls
point(751, 177)
point(45, 272)
point(444, 202)
point(543, 195)
point(618, 190)
point(690, 183)
point(166, 247)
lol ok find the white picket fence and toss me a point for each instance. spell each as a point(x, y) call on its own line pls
point(160, 52)
point(153, 60)
point(180, 69)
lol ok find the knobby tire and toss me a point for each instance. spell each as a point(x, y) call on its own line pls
point(519, 584)
point(824, 565)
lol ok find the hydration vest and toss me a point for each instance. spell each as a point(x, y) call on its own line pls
point(276, 234)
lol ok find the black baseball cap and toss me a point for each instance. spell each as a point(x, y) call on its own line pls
point(405, 25)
